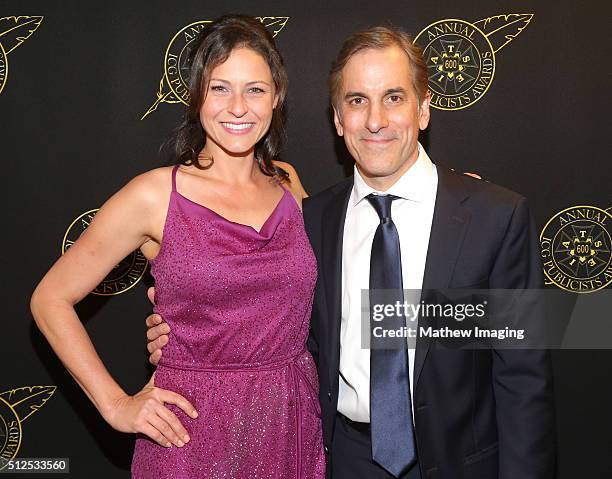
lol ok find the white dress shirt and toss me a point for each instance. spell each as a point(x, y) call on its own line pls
point(412, 214)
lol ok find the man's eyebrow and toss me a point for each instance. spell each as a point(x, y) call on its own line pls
point(352, 94)
point(389, 91)
point(397, 89)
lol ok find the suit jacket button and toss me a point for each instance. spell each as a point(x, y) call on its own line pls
point(329, 395)
point(326, 449)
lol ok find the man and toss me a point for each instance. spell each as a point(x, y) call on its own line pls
point(403, 222)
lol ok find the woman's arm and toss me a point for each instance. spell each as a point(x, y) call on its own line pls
point(126, 221)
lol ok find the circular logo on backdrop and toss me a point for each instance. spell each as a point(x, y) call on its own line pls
point(461, 56)
point(14, 31)
point(10, 433)
point(460, 63)
point(576, 249)
point(124, 276)
point(176, 60)
point(17, 405)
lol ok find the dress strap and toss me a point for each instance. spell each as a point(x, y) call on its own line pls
point(176, 167)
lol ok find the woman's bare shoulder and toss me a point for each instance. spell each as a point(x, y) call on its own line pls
point(152, 187)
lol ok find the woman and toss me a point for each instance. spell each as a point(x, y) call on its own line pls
point(234, 277)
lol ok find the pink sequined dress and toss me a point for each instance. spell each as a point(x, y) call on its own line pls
point(238, 305)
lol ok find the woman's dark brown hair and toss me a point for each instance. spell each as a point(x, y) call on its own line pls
point(213, 46)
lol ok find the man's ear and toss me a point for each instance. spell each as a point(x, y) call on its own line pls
point(424, 111)
point(338, 122)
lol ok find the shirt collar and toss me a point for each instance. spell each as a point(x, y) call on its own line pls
point(413, 185)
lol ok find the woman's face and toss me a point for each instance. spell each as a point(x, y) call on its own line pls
point(237, 110)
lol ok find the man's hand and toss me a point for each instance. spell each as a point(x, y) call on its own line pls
point(157, 332)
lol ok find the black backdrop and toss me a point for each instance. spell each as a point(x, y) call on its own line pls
point(72, 134)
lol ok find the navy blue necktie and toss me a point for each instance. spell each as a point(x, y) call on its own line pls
point(393, 445)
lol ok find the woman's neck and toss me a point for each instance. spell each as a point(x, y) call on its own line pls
point(231, 168)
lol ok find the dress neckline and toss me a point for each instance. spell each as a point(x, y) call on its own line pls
point(261, 231)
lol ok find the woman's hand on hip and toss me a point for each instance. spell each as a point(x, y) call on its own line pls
point(146, 413)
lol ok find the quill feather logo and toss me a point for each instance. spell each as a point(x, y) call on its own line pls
point(461, 56)
point(17, 405)
point(173, 84)
point(14, 31)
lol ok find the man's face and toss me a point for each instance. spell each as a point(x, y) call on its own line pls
point(378, 114)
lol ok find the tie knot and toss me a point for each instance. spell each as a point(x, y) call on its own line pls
point(382, 205)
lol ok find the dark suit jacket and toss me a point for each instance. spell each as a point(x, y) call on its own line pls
point(478, 414)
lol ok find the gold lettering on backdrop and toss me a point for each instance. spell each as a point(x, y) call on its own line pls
point(124, 275)
point(582, 213)
point(460, 56)
point(172, 64)
point(575, 246)
point(608, 274)
point(17, 405)
point(173, 84)
point(14, 31)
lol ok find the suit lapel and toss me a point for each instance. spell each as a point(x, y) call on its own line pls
point(448, 228)
point(333, 232)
